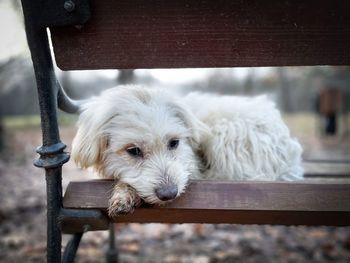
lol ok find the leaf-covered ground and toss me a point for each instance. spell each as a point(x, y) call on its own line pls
point(23, 225)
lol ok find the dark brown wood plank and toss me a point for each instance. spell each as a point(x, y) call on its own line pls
point(244, 217)
point(207, 33)
point(231, 202)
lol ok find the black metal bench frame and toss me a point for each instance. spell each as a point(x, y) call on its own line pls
point(71, 217)
point(39, 15)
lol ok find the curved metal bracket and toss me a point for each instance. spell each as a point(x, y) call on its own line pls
point(67, 104)
point(71, 248)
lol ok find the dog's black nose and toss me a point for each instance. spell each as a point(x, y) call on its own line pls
point(166, 192)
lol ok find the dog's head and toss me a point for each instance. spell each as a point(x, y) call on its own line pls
point(143, 137)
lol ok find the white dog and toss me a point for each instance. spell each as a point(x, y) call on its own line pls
point(153, 142)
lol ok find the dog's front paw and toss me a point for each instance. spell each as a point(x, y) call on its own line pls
point(123, 200)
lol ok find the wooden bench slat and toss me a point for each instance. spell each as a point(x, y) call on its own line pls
point(231, 202)
point(208, 33)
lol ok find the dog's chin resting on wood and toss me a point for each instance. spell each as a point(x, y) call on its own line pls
point(153, 142)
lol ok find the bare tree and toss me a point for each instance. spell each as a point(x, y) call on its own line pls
point(285, 92)
point(126, 76)
point(249, 84)
point(2, 134)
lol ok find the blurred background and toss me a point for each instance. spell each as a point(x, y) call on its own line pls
point(313, 101)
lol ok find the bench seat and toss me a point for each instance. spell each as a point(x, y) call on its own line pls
point(302, 203)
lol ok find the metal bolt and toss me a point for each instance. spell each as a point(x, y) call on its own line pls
point(69, 6)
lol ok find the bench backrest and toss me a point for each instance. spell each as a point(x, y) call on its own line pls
point(207, 33)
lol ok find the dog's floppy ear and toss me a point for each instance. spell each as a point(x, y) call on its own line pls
point(198, 130)
point(91, 139)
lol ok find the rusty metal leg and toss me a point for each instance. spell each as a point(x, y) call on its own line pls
point(38, 15)
point(52, 155)
point(112, 253)
point(54, 197)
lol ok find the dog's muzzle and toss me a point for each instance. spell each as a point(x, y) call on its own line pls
point(166, 192)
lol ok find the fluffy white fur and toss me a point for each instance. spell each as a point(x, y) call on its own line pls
point(220, 137)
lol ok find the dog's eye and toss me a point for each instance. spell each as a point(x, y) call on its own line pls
point(135, 151)
point(173, 143)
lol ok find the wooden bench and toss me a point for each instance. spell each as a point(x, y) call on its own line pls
point(110, 34)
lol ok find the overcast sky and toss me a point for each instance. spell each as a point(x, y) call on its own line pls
point(13, 39)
